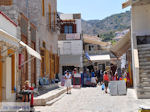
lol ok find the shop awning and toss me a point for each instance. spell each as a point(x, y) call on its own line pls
point(30, 50)
point(8, 39)
point(93, 40)
point(100, 58)
point(122, 45)
point(14, 41)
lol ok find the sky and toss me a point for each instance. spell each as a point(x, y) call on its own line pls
point(91, 9)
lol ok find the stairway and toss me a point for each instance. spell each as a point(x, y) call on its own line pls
point(144, 71)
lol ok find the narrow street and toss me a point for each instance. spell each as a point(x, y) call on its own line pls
point(95, 100)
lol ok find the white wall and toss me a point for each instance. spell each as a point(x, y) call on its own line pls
point(7, 26)
point(140, 26)
point(78, 23)
point(74, 47)
point(141, 19)
point(66, 16)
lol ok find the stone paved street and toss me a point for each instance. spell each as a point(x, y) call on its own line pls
point(95, 100)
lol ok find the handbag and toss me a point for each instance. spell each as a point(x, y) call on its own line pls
point(103, 86)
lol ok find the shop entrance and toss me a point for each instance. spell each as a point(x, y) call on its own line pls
point(69, 68)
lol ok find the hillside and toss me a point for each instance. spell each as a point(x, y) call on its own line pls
point(107, 27)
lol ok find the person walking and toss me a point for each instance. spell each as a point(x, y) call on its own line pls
point(106, 81)
point(68, 78)
point(93, 78)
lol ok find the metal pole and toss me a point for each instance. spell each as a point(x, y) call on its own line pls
point(27, 61)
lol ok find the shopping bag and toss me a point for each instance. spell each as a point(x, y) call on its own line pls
point(103, 86)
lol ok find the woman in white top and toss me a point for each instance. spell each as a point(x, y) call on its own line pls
point(68, 78)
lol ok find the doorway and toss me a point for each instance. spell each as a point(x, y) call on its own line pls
point(33, 67)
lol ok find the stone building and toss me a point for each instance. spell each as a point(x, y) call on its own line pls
point(97, 51)
point(37, 27)
point(11, 48)
point(140, 45)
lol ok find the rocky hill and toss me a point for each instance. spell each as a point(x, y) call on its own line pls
point(107, 27)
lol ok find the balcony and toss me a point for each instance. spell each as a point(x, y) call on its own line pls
point(72, 36)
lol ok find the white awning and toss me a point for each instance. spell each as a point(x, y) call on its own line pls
point(100, 58)
point(30, 50)
point(7, 37)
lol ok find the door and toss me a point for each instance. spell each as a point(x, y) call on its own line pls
point(0, 77)
point(24, 70)
point(33, 67)
point(8, 78)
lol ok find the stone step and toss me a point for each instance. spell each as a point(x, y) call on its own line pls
point(143, 90)
point(144, 55)
point(41, 100)
point(144, 76)
point(145, 63)
point(146, 59)
point(49, 103)
point(143, 48)
point(145, 70)
point(145, 80)
point(141, 52)
point(142, 96)
point(143, 45)
point(144, 85)
point(144, 67)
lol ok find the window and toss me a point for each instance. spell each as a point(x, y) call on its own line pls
point(43, 7)
point(44, 44)
point(49, 7)
point(98, 47)
point(89, 48)
point(54, 18)
point(68, 29)
point(6, 2)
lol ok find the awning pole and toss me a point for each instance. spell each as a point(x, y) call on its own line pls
point(7, 49)
point(12, 53)
point(27, 61)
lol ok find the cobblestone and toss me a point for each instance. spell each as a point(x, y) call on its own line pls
point(95, 100)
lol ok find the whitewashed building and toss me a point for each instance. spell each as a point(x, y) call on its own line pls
point(70, 42)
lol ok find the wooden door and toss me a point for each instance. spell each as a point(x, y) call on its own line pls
point(24, 70)
point(1, 77)
point(33, 67)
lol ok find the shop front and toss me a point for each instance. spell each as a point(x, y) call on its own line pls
point(119, 49)
point(8, 47)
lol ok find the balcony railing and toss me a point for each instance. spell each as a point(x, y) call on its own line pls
point(72, 36)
